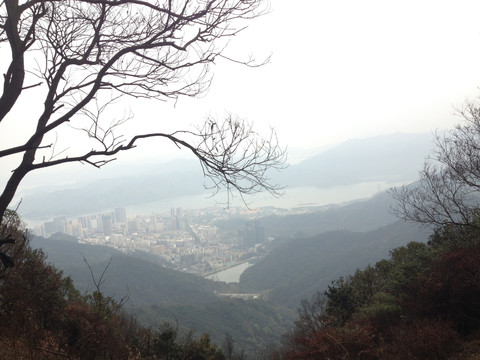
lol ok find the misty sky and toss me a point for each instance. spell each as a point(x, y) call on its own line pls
point(348, 69)
point(339, 70)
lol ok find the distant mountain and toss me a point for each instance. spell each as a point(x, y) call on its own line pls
point(389, 158)
point(296, 269)
point(114, 192)
point(65, 251)
point(145, 282)
point(361, 215)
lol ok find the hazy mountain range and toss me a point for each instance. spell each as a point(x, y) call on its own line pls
point(390, 159)
point(361, 215)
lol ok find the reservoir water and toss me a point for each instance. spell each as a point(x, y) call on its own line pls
point(230, 275)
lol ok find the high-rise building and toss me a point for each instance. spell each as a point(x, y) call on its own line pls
point(180, 222)
point(249, 239)
point(254, 234)
point(84, 221)
point(107, 225)
point(58, 224)
point(120, 215)
point(259, 233)
point(49, 228)
point(94, 223)
point(132, 226)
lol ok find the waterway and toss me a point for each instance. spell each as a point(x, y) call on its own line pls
point(230, 275)
point(293, 197)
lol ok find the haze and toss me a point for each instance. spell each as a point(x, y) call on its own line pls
point(355, 90)
point(338, 71)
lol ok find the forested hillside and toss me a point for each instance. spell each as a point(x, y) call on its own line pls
point(417, 303)
point(421, 303)
point(255, 325)
point(43, 316)
point(361, 215)
point(294, 269)
point(298, 267)
point(363, 243)
point(156, 295)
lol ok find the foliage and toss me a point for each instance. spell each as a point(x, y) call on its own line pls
point(13, 238)
point(33, 295)
point(166, 343)
point(252, 324)
point(420, 303)
point(42, 313)
point(449, 289)
point(157, 295)
point(43, 316)
point(296, 268)
point(341, 300)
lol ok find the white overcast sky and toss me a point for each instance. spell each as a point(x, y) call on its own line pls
point(348, 69)
point(339, 70)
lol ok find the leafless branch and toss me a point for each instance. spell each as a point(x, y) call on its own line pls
point(448, 191)
point(89, 53)
point(233, 157)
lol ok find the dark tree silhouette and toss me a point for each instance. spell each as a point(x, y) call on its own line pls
point(449, 186)
point(13, 239)
point(83, 55)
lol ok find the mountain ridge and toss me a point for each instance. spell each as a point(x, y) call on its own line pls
point(352, 162)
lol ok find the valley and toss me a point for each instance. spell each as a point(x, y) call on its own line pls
point(164, 259)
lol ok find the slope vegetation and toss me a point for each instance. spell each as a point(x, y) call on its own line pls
point(299, 267)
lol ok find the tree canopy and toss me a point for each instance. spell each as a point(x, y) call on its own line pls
point(418, 304)
point(82, 56)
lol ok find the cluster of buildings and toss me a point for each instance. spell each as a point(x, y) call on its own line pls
point(185, 240)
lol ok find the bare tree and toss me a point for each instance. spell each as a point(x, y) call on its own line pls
point(89, 53)
point(448, 192)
